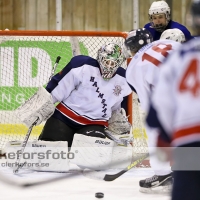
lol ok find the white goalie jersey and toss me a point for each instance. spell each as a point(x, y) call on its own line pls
point(85, 97)
point(144, 68)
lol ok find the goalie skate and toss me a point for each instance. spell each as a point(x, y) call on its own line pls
point(157, 184)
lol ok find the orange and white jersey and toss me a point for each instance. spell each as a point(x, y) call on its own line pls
point(144, 68)
point(176, 97)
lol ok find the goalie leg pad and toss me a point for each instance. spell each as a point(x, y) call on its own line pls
point(92, 152)
point(93, 131)
point(40, 155)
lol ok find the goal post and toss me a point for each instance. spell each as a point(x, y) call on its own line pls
point(26, 60)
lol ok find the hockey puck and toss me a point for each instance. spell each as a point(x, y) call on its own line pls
point(99, 195)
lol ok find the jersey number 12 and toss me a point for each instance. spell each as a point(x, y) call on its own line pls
point(163, 51)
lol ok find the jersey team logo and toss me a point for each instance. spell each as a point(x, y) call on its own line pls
point(117, 90)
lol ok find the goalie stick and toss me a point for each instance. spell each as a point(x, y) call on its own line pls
point(18, 165)
point(22, 182)
point(89, 173)
point(119, 141)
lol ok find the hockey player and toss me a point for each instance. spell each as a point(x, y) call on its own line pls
point(160, 20)
point(140, 74)
point(88, 91)
point(90, 94)
point(173, 34)
point(175, 112)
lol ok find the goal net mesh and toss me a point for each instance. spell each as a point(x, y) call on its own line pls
point(26, 63)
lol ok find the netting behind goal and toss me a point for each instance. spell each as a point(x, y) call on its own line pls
point(26, 61)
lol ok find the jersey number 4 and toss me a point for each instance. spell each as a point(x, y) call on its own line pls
point(190, 81)
point(163, 51)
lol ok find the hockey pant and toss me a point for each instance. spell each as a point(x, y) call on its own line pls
point(56, 130)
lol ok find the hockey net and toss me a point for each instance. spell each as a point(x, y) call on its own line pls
point(26, 61)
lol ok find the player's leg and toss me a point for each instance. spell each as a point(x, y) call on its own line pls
point(163, 175)
point(186, 167)
point(95, 151)
point(54, 140)
point(56, 130)
point(91, 148)
point(186, 185)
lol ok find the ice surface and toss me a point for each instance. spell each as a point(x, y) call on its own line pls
point(76, 186)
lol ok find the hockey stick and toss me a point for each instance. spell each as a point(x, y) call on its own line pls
point(104, 177)
point(112, 177)
point(18, 165)
point(22, 182)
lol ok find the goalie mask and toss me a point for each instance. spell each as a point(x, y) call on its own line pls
point(173, 34)
point(110, 57)
point(158, 9)
point(136, 39)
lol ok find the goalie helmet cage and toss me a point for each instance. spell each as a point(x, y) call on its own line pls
point(26, 60)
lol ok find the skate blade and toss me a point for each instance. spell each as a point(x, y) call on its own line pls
point(157, 190)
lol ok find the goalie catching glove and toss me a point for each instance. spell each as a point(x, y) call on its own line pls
point(119, 128)
point(118, 123)
point(39, 107)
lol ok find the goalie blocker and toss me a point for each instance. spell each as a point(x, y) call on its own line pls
point(39, 107)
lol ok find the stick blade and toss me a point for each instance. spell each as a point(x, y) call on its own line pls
point(112, 177)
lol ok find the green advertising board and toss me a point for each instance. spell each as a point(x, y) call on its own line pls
point(25, 65)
